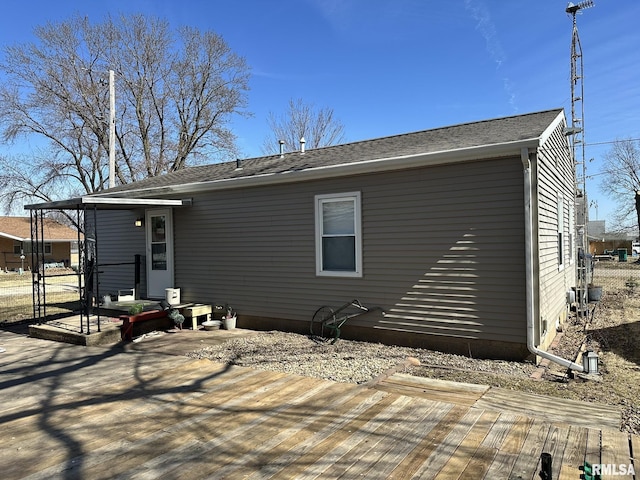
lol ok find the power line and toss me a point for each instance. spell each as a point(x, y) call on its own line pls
point(611, 142)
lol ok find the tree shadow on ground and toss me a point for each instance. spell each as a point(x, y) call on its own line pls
point(622, 339)
point(52, 375)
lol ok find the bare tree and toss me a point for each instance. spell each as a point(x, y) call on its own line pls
point(319, 127)
point(622, 182)
point(176, 92)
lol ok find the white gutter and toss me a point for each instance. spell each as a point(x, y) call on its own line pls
point(530, 284)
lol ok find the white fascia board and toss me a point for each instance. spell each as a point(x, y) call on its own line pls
point(113, 201)
point(156, 202)
point(12, 237)
point(28, 239)
point(551, 128)
point(361, 167)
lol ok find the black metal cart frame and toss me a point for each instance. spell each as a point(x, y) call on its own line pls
point(327, 322)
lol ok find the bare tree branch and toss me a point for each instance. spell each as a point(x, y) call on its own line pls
point(622, 182)
point(319, 127)
point(176, 92)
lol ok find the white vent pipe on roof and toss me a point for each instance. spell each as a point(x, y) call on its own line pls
point(302, 142)
point(529, 262)
point(281, 143)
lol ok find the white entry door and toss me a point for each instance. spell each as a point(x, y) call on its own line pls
point(159, 226)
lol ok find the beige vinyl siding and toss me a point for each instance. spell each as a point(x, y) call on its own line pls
point(442, 247)
point(555, 177)
point(119, 240)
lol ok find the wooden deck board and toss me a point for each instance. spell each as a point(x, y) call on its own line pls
point(403, 449)
point(432, 389)
point(264, 449)
point(592, 452)
point(490, 447)
point(317, 428)
point(529, 456)
point(140, 421)
point(221, 440)
point(615, 450)
point(131, 403)
point(368, 448)
point(445, 450)
point(436, 432)
point(573, 455)
point(554, 409)
point(467, 450)
point(555, 445)
point(92, 412)
point(310, 452)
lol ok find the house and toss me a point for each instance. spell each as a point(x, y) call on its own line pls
point(463, 235)
point(603, 243)
point(60, 243)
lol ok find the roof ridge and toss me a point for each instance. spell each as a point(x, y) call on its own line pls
point(397, 135)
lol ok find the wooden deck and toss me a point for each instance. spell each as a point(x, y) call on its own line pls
point(144, 412)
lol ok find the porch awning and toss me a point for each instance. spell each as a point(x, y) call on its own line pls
point(107, 203)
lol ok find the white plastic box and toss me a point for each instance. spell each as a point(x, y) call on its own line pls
point(173, 295)
point(127, 295)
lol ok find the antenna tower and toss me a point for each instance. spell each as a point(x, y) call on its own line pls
point(576, 135)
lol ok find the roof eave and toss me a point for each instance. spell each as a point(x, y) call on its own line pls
point(344, 169)
point(11, 237)
point(107, 203)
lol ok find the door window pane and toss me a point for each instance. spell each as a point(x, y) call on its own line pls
point(158, 229)
point(159, 256)
point(158, 243)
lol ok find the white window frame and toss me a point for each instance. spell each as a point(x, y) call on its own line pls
point(320, 200)
point(27, 248)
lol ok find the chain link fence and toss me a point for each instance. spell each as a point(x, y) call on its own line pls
point(614, 274)
point(16, 295)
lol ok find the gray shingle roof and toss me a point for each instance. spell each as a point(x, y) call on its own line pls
point(467, 135)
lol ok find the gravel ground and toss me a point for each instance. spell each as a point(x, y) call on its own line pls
point(345, 361)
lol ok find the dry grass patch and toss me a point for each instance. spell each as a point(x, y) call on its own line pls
point(16, 295)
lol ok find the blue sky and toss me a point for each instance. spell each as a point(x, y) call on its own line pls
point(396, 66)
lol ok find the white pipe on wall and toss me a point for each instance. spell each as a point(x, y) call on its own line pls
point(530, 284)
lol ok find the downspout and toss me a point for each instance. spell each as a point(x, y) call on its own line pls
point(530, 284)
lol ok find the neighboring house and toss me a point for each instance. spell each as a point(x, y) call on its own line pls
point(462, 234)
point(60, 243)
point(601, 241)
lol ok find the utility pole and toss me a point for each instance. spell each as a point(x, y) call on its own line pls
point(112, 130)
